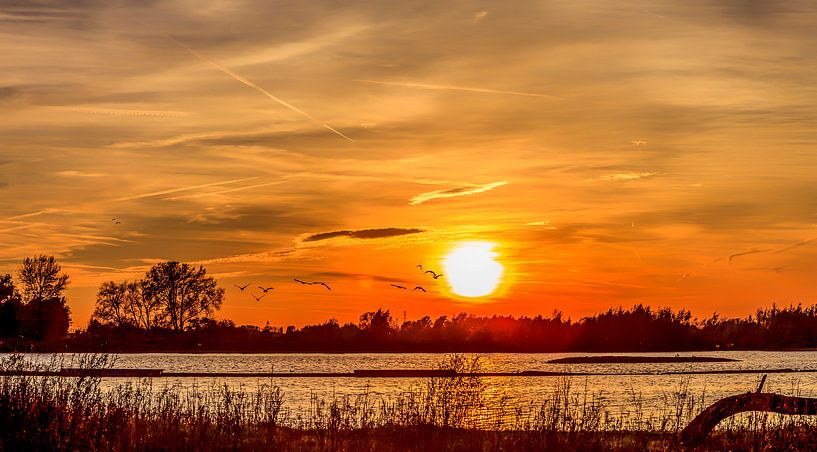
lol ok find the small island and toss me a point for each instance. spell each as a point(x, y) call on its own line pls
point(615, 359)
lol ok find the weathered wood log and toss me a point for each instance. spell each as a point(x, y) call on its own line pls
point(699, 428)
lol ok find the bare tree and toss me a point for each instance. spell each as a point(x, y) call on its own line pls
point(184, 292)
point(111, 303)
point(42, 278)
point(125, 304)
point(144, 312)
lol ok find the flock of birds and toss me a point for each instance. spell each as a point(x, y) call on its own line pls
point(266, 290)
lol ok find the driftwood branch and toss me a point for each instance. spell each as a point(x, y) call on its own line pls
point(699, 428)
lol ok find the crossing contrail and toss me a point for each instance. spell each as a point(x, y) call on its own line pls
point(175, 190)
point(261, 90)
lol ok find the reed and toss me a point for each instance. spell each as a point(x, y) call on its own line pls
point(460, 413)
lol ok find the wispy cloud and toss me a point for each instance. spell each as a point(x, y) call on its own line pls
point(479, 15)
point(471, 89)
point(455, 192)
point(73, 173)
point(623, 177)
point(363, 234)
point(123, 112)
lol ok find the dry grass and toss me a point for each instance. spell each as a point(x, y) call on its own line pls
point(461, 413)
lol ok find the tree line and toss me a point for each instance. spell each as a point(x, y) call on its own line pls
point(172, 308)
point(39, 312)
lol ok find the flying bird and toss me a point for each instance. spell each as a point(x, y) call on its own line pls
point(323, 284)
point(257, 298)
point(419, 266)
point(418, 288)
point(399, 287)
point(265, 290)
point(434, 274)
point(308, 283)
point(242, 287)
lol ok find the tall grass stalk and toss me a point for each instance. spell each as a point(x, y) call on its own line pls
point(459, 413)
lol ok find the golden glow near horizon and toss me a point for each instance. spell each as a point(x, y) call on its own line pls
point(471, 269)
point(640, 151)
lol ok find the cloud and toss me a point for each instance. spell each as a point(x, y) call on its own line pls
point(123, 112)
point(623, 177)
point(478, 16)
point(454, 192)
point(363, 234)
point(73, 173)
point(261, 90)
point(471, 89)
point(360, 276)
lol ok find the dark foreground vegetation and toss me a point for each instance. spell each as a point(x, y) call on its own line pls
point(172, 308)
point(440, 414)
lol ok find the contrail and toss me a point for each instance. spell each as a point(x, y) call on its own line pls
point(167, 192)
point(258, 88)
point(457, 88)
point(229, 190)
point(33, 214)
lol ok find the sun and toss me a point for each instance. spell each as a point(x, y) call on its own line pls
point(471, 269)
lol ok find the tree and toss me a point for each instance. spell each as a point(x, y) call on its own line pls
point(44, 315)
point(125, 304)
point(379, 325)
point(144, 312)
point(42, 278)
point(10, 307)
point(45, 319)
point(183, 292)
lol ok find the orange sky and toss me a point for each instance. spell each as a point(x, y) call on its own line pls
point(617, 152)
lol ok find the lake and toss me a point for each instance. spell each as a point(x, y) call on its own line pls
point(619, 393)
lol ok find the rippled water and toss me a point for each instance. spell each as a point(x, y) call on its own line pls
point(619, 392)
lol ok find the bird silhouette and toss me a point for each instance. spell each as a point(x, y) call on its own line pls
point(434, 274)
point(265, 290)
point(399, 287)
point(118, 222)
point(257, 298)
point(323, 284)
point(308, 283)
point(418, 288)
point(242, 287)
point(419, 266)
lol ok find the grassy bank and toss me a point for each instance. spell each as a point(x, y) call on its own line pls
point(461, 413)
